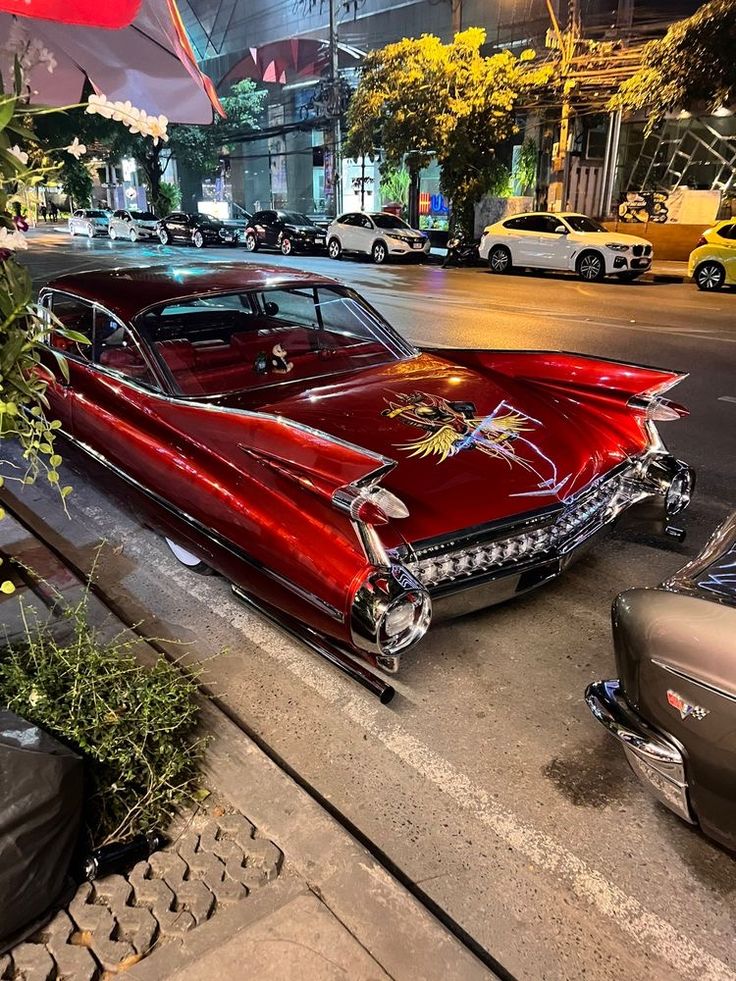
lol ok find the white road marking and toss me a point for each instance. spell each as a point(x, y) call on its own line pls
point(655, 934)
point(727, 398)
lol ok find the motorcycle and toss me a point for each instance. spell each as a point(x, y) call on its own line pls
point(461, 251)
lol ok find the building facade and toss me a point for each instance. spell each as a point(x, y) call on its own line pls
point(292, 161)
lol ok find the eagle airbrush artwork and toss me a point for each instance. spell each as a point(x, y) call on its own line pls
point(453, 426)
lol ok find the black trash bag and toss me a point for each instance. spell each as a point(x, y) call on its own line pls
point(41, 787)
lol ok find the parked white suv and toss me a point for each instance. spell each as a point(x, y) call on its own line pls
point(567, 242)
point(377, 234)
point(133, 225)
point(88, 221)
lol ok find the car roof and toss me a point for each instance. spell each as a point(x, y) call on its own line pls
point(126, 292)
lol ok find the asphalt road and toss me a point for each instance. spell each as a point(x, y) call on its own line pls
point(486, 781)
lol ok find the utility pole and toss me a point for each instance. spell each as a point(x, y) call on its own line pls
point(336, 108)
point(457, 16)
point(625, 15)
point(566, 42)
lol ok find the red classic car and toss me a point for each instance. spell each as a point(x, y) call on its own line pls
point(273, 427)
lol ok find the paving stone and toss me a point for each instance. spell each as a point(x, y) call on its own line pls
point(170, 867)
point(75, 963)
point(229, 850)
point(238, 827)
point(115, 890)
point(82, 898)
point(32, 962)
point(92, 917)
point(138, 926)
point(110, 952)
point(155, 894)
point(264, 854)
point(57, 932)
point(114, 922)
point(205, 864)
point(196, 898)
point(230, 890)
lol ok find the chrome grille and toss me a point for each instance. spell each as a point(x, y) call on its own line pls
point(541, 538)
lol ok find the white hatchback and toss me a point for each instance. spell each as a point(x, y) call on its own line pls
point(377, 234)
point(566, 242)
point(88, 221)
point(133, 225)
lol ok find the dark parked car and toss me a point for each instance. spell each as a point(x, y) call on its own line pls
point(199, 230)
point(673, 705)
point(287, 231)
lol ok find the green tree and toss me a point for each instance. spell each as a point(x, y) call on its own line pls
point(199, 147)
point(419, 98)
point(694, 64)
point(76, 181)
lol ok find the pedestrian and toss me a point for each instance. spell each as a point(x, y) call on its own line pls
point(43, 211)
point(54, 209)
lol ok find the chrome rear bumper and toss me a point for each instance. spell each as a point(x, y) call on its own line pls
point(656, 761)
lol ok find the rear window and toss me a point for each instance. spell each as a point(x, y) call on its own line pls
point(527, 223)
point(581, 223)
point(294, 218)
point(96, 214)
point(388, 221)
point(238, 341)
point(143, 215)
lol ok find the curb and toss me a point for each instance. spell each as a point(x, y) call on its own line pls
point(655, 277)
point(385, 919)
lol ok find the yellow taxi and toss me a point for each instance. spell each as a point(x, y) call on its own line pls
point(712, 262)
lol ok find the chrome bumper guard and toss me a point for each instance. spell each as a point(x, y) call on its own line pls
point(656, 761)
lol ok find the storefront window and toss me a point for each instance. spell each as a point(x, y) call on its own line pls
point(433, 206)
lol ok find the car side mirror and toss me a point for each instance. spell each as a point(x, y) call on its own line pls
point(271, 308)
point(561, 230)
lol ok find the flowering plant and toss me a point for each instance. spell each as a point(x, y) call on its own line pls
point(25, 327)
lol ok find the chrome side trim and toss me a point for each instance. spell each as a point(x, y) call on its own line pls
point(206, 532)
point(693, 680)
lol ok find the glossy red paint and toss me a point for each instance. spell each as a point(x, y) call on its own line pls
point(87, 13)
point(568, 437)
point(246, 482)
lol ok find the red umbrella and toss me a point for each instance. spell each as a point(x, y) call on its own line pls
point(147, 59)
point(91, 13)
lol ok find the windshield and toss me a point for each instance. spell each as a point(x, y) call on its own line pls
point(388, 221)
point(143, 215)
point(232, 342)
point(581, 223)
point(294, 218)
point(96, 214)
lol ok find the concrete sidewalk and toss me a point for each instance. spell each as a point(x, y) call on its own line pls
point(666, 270)
point(264, 884)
